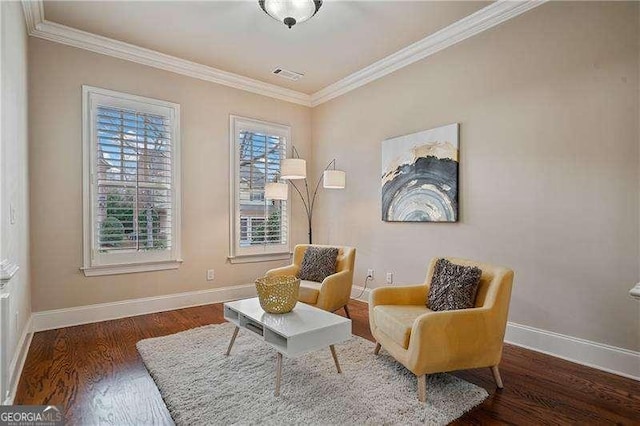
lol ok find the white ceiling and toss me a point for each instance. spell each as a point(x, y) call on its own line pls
point(237, 36)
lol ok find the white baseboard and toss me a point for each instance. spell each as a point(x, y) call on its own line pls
point(620, 361)
point(19, 358)
point(360, 293)
point(608, 358)
point(611, 359)
point(59, 318)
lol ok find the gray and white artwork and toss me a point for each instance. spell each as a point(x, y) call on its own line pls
point(420, 176)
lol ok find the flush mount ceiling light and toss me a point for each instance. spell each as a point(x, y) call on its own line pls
point(290, 12)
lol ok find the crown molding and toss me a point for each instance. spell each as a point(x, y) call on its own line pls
point(47, 30)
point(33, 13)
point(482, 20)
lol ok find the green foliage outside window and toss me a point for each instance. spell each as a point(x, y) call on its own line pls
point(271, 231)
point(149, 230)
point(111, 232)
point(118, 227)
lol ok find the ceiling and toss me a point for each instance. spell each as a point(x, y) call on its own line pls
point(237, 36)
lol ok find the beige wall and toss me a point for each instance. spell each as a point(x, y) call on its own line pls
point(548, 106)
point(14, 237)
point(56, 76)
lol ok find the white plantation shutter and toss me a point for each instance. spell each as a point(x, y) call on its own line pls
point(134, 197)
point(260, 226)
point(260, 155)
point(134, 193)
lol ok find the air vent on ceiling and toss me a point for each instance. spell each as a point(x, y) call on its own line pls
point(289, 75)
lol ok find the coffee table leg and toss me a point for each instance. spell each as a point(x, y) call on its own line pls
point(335, 357)
point(233, 339)
point(278, 372)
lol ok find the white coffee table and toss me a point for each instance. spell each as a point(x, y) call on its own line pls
point(300, 331)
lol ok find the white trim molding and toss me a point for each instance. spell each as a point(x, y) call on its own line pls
point(5, 372)
point(360, 293)
point(95, 261)
point(620, 361)
point(96, 271)
point(7, 271)
point(482, 20)
point(17, 363)
point(47, 320)
point(39, 27)
point(476, 23)
point(267, 251)
point(33, 13)
point(68, 317)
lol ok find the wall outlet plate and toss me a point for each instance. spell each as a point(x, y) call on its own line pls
point(389, 277)
point(210, 275)
point(370, 273)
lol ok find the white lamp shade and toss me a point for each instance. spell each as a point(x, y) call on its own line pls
point(276, 191)
point(334, 179)
point(293, 168)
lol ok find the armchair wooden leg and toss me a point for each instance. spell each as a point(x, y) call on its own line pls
point(376, 351)
point(496, 376)
point(346, 311)
point(422, 388)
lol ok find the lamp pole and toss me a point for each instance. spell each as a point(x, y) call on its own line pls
point(295, 168)
point(310, 200)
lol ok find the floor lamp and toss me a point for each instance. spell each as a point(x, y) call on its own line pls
point(295, 168)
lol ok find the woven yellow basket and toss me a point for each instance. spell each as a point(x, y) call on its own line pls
point(278, 295)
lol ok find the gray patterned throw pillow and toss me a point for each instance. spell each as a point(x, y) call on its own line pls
point(318, 263)
point(453, 286)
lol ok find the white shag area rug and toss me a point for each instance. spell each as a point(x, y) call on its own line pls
point(202, 386)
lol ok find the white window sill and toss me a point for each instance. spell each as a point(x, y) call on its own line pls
point(94, 271)
point(259, 258)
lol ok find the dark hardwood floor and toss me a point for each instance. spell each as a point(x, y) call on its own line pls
point(95, 373)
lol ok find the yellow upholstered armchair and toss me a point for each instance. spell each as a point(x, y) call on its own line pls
point(335, 291)
point(428, 342)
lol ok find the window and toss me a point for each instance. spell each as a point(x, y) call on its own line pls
point(252, 231)
point(131, 183)
point(259, 226)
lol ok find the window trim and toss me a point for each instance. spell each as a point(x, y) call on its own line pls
point(263, 253)
point(152, 262)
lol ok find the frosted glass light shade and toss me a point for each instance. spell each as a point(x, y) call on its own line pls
point(293, 168)
point(290, 12)
point(334, 179)
point(276, 191)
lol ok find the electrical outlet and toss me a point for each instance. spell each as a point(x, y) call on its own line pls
point(210, 275)
point(370, 273)
point(389, 277)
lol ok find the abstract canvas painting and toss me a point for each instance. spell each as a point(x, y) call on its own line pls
point(420, 176)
